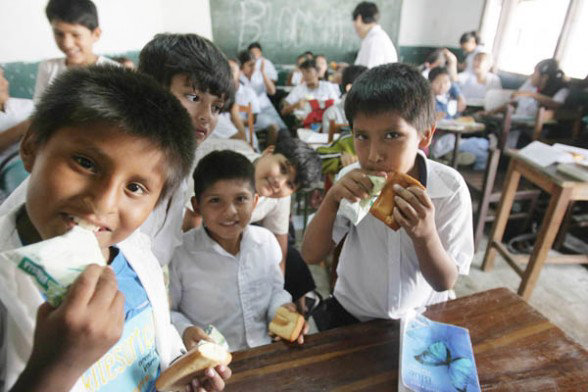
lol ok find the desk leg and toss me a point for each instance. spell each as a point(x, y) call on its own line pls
point(508, 194)
point(455, 150)
point(558, 204)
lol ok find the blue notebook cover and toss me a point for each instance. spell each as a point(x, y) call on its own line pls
point(437, 357)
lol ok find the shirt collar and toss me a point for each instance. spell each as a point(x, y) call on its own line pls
point(208, 243)
point(436, 187)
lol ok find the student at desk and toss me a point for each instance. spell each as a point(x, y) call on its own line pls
point(383, 273)
point(474, 85)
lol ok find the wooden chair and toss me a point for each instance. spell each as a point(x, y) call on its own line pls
point(571, 115)
point(248, 110)
point(487, 185)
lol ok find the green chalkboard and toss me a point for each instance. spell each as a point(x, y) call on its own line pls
point(286, 28)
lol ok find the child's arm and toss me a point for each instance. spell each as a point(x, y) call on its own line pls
point(416, 214)
point(317, 243)
point(289, 108)
point(238, 123)
point(270, 87)
point(70, 339)
point(543, 100)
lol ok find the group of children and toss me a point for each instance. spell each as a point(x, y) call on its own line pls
point(133, 154)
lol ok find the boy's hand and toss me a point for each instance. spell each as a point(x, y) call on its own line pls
point(70, 339)
point(192, 335)
point(354, 186)
point(414, 212)
point(213, 380)
point(304, 331)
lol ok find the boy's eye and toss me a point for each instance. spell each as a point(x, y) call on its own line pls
point(136, 188)
point(290, 185)
point(360, 136)
point(242, 199)
point(283, 168)
point(193, 97)
point(392, 135)
point(85, 163)
point(214, 200)
point(217, 108)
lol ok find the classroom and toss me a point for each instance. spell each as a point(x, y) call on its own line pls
point(267, 195)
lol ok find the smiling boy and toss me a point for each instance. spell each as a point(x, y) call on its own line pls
point(100, 154)
point(382, 273)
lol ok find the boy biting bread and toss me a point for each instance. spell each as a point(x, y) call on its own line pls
point(100, 155)
point(227, 272)
point(382, 273)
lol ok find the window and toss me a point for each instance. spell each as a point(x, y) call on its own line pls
point(574, 53)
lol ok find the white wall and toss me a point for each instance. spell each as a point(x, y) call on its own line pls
point(438, 23)
point(126, 25)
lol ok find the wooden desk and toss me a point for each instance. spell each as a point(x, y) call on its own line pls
point(563, 190)
point(459, 128)
point(515, 347)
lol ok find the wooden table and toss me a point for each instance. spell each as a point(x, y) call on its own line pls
point(516, 349)
point(459, 128)
point(563, 190)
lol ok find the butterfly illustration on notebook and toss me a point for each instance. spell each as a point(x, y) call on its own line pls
point(459, 368)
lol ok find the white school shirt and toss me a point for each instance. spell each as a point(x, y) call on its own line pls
point(469, 58)
point(257, 85)
point(324, 90)
point(376, 49)
point(16, 110)
point(21, 299)
point(49, 69)
point(270, 69)
point(224, 128)
point(238, 294)
point(474, 91)
point(244, 96)
point(335, 112)
point(528, 107)
point(378, 271)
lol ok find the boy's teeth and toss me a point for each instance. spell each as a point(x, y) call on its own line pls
point(85, 224)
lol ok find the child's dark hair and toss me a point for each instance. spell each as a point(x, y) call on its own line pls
point(168, 55)
point(351, 73)
point(244, 57)
point(555, 76)
point(368, 11)
point(398, 88)
point(254, 45)
point(82, 12)
point(435, 56)
point(308, 64)
point(302, 157)
point(118, 97)
point(468, 35)
point(436, 72)
point(222, 165)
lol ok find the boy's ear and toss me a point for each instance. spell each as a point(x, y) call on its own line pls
point(269, 150)
point(427, 137)
point(28, 150)
point(195, 205)
point(255, 200)
point(96, 33)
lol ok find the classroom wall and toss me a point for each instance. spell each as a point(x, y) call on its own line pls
point(438, 23)
point(126, 25)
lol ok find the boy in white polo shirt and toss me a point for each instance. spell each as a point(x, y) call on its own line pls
point(383, 273)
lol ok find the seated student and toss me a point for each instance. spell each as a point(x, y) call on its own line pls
point(85, 128)
point(311, 89)
point(197, 73)
point(262, 65)
point(383, 273)
point(322, 66)
point(471, 44)
point(295, 77)
point(474, 85)
point(446, 94)
point(76, 30)
point(227, 272)
point(440, 58)
point(268, 118)
point(279, 171)
point(12, 112)
point(337, 111)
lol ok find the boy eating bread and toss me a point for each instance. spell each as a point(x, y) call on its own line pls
point(382, 273)
point(226, 272)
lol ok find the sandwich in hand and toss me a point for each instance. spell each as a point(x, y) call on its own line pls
point(287, 324)
point(384, 205)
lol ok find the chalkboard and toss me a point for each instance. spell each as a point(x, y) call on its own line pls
point(286, 28)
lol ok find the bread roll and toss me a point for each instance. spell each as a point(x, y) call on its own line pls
point(287, 324)
point(384, 205)
point(205, 355)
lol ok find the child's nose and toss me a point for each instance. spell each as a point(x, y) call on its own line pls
point(103, 197)
point(375, 154)
point(205, 113)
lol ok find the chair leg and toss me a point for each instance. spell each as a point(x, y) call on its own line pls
point(565, 226)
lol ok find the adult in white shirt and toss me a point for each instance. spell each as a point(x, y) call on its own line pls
point(311, 88)
point(376, 47)
point(474, 85)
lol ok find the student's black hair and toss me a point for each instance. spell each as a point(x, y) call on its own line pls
point(368, 11)
point(436, 72)
point(398, 88)
point(468, 35)
point(254, 45)
point(168, 55)
point(302, 157)
point(308, 54)
point(82, 12)
point(122, 98)
point(308, 64)
point(555, 76)
point(222, 165)
point(435, 56)
point(351, 73)
point(244, 56)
